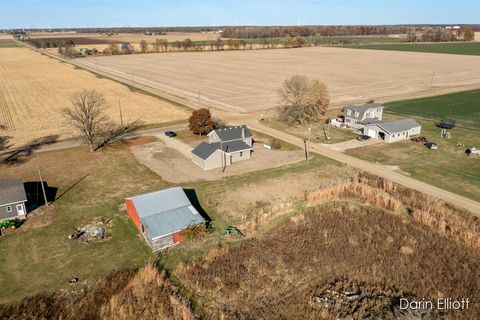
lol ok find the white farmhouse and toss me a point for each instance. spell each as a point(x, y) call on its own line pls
point(356, 116)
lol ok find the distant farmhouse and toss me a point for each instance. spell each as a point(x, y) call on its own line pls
point(12, 199)
point(367, 118)
point(225, 147)
point(357, 116)
point(163, 216)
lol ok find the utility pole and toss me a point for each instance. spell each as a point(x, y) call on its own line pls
point(43, 187)
point(307, 146)
point(120, 110)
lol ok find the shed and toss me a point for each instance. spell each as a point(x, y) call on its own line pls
point(12, 199)
point(163, 216)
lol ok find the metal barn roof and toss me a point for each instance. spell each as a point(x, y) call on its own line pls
point(171, 221)
point(398, 125)
point(166, 211)
point(12, 191)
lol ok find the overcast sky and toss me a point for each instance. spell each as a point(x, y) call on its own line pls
point(123, 13)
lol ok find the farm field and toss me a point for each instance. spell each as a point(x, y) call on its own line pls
point(469, 48)
point(249, 80)
point(463, 107)
point(34, 88)
point(93, 38)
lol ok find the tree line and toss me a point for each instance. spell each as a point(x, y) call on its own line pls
point(440, 35)
point(257, 32)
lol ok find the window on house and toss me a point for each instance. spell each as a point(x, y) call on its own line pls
point(9, 208)
point(349, 112)
point(241, 154)
point(357, 114)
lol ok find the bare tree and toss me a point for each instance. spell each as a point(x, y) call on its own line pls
point(143, 46)
point(88, 115)
point(303, 100)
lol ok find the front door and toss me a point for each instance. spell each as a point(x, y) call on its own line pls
point(20, 210)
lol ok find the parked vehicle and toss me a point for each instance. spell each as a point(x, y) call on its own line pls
point(431, 145)
point(363, 137)
point(472, 151)
point(170, 134)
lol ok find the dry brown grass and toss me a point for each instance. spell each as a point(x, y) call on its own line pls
point(144, 295)
point(35, 88)
point(434, 213)
point(277, 276)
point(249, 80)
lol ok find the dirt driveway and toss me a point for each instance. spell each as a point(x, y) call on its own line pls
point(352, 144)
point(175, 166)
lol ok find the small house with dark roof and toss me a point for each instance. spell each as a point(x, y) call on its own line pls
point(163, 216)
point(225, 147)
point(12, 199)
point(357, 116)
point(393, 131)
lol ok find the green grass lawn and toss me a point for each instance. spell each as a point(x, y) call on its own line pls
point(465, 48)
point(43, 258)
point(448, 167)
point(319, 131)
point(463, 107)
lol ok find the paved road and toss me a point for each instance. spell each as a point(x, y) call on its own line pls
point(235, 115)
point(373, 168)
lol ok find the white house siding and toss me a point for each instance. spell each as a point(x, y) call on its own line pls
point(374, 132)
point(198, 161)
point(216, 160)
point(239, 156)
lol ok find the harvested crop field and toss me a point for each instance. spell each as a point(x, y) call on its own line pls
point(249, 80)
point(34, 88)
point(93, 38)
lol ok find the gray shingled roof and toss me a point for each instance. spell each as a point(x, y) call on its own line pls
point(204, 150)
point(12, 191)
point(398, 125)
point(361, 109)
point(233, 133)
point(166, 211)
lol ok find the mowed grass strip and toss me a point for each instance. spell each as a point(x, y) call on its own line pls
point(465, 48)
point(463, 107)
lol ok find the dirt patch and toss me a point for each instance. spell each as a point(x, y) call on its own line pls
point(173, 166)
point(98, 229)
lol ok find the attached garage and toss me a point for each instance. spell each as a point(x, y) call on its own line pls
point(163, 216)
point(393, 131)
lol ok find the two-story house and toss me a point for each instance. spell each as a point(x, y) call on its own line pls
point(224, 147)
point(357, 116)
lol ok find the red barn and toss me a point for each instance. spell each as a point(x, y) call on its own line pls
point(163, 216)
